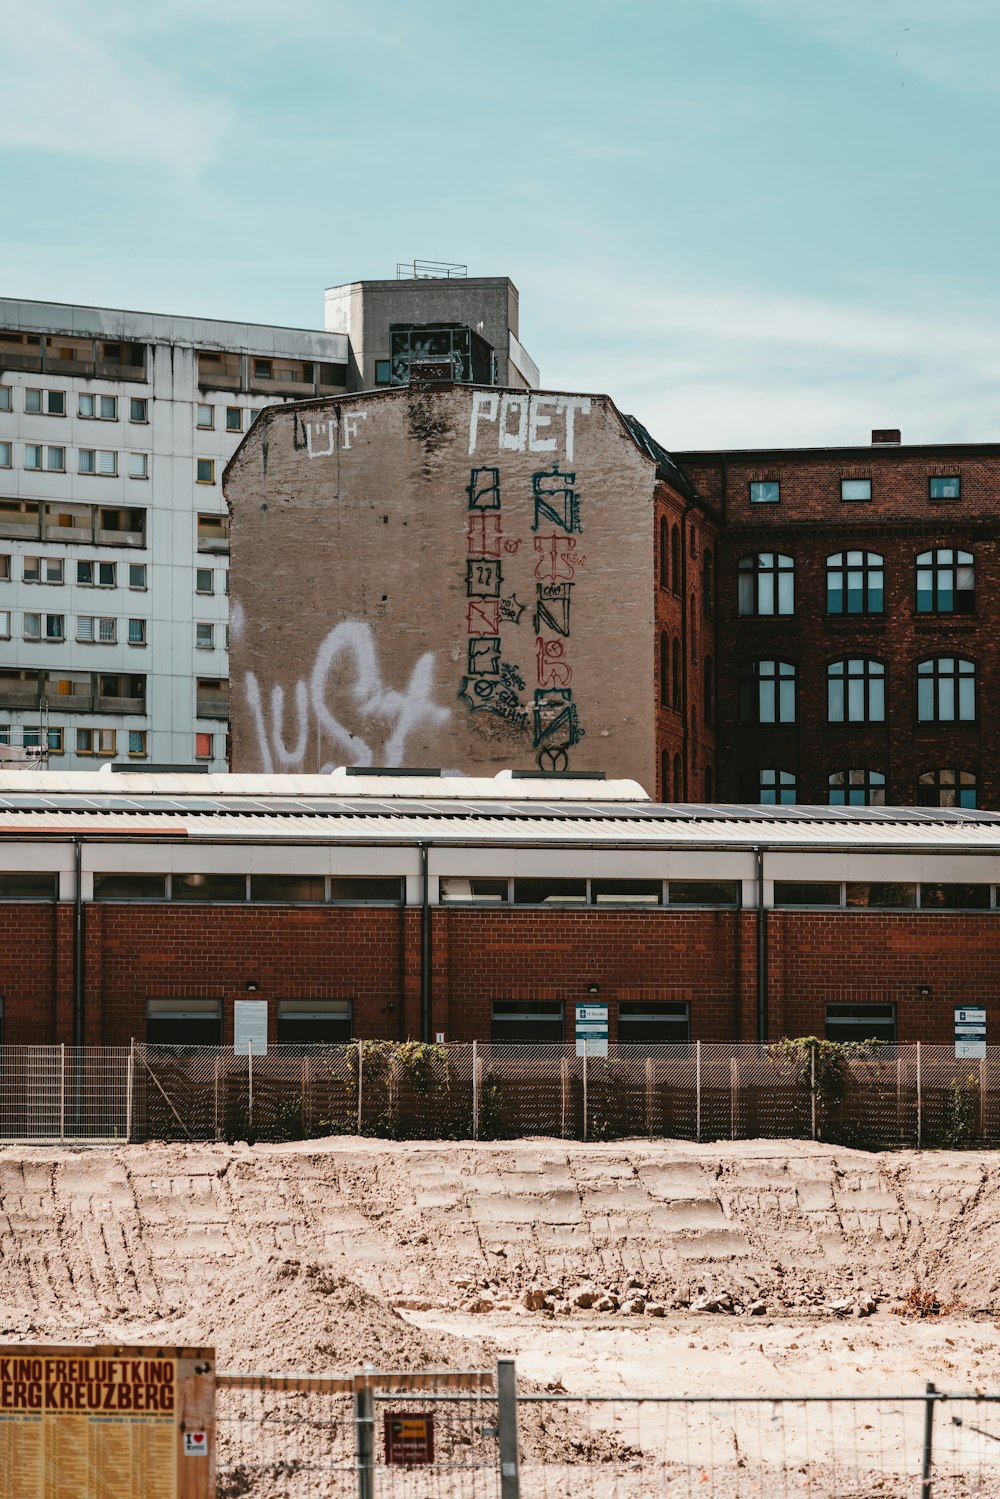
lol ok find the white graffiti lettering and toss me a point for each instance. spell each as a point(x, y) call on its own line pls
point(335, 431)
point(350, 645)
point(516, 419)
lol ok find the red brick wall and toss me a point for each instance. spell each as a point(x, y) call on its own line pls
point(705, 958)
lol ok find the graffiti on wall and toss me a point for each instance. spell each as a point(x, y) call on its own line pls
point(323, 436)
point(493, 684)
point(344, 708)
point(523, 423)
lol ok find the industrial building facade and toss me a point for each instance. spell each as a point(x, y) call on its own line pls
point(354, 905)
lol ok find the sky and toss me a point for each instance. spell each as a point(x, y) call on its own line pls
point(750, 222)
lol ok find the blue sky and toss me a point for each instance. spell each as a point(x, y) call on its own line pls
point(749, 221)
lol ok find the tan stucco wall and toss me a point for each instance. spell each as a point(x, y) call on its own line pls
point(404, 566)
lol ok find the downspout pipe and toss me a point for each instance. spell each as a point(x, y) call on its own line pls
point(687, 625)
point(762, 1026)
point(78, 955)
point(426, 1033)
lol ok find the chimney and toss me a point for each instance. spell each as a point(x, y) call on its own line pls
point(885, 437)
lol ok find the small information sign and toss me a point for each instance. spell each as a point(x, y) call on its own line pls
point(409, 1439)
point(592, 1030)
point(970, 1031)
point(250, 1027)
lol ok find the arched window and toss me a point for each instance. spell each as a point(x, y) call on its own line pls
point(767, 692)
point(675, 675)
point(675, 559)
point(664, 671)
point(664, 775)
point(708, 674)
point(856, 788)
point(946, 582)
point(855, 583)
point(855, 691)
point(707, 584)
point(946, 788)
point(946, 690)
point(678, 779)
point(709, 783)
point(776, 788)
point(664, 553)
point(693, 631)
point(694, 737)
point(766, 584)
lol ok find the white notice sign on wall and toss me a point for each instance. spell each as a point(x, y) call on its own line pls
point(250, 1027)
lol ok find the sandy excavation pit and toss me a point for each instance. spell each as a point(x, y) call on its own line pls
point(587, 1263)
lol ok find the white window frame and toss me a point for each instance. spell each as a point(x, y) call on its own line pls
point(138, 465)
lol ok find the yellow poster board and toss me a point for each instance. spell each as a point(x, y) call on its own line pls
point(106, 1422)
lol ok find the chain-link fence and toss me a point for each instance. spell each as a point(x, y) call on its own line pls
point(871, 1096)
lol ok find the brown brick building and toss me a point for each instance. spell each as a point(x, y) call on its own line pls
point(858, 609)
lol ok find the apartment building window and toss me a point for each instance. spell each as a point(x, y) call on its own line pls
point(767, 692)
point(96, 461)
point(4, 567)
point(855, 489)
point(856, 788)
point(204, 580)
point(234, 419)
point(6, 454)
point(137, 575)
point(946, 582)
point(946, 788)
point(90, 574)
point(263, 369)
point(47, 402)
point(32, 455)
point(138, 465)
point(946, 690)
point(5, 401)
point(98, 408)
point(776, 788)
point(765, 491)
point(42, 569)
point(4, 624)
point(855, 691)
point(855, 583)
point(205, 470)
point(96, 629)
point(132, 522)
point(137, 744)
point(944, 487)
point(203, 746)
point(101, 742)
point(766, 584)
point(205, 416)
point(138, 409)
point(204, 636)
point(137, 632)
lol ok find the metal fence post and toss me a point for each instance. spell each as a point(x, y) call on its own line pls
point(475, 1090)
point(62, 1091)
point(215, 1097)
point(697, 1091)
point(928, 1456)
point(563, 1095)
point(510, 1478)
point(129, 1084)
point(650, 1094)
point(920, 1104)
point(734, 1085)
point(584, 1090)
point(364, 1436)
point(250, 1086)
point(361, 1068)
point(812, 1087)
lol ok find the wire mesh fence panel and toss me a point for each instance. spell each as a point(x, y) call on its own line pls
point(430, 1445)
point(292, 1437)
point(529, 1090)
point(838, 1448)
point(64, 1092)
point(951, 1098)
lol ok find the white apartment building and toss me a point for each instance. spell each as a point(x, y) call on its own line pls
point(114, 552)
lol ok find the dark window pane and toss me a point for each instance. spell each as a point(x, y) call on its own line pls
point(209, 887)
point(130, 887)
point(485, 892)
point(550, 892)
point(523, 1023)
point(946, 488)
point(955, 897)
point(884, 896)
point(626, 892)
point(352, 888)
point(802, 893)
point(641, 1024)
point(28, 886)
point(861, 1023)
point(703, 893)
point(313, 1022)
point(183, 1022)
point(290, 888)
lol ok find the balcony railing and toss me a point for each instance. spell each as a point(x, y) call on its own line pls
point(19, 528)
point(70, 702)
point(120, 538)
point(212, 707)
point(121, 704)
point(213, 544)
point(18, 697)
